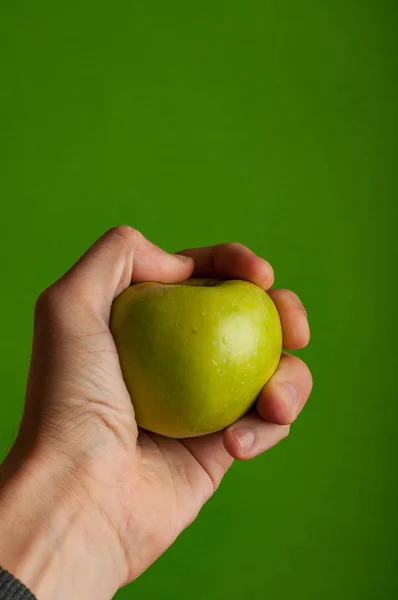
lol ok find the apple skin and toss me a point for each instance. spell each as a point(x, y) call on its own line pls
point(195, 355)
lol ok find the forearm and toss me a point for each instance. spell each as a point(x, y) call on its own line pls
point(51, 539)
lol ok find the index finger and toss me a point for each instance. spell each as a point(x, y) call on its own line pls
point(231, 261)
point(121, 256)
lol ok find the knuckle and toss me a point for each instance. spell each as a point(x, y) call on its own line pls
point(45, 299)
point(310, 380)
point(290, 299)
point(48, 301)
point(293, 297)
point(306, 375)
point(295, 302)
point(237, 246)
point(303, 372)
point(126, 233)
point(222, 253)
point(299, 364)
point(303, 377)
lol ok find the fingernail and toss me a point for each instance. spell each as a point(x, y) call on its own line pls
point(291, 394)
point(245, 438)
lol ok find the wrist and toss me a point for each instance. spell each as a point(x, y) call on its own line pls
point(52, 537)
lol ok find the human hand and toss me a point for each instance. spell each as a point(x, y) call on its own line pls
point(109, 498)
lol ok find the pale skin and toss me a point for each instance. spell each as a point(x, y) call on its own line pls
point(87, 500)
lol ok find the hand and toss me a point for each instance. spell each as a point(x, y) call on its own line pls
point(98, 499)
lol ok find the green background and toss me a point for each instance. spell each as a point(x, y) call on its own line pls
point(273, 123)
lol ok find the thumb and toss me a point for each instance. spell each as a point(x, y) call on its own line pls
point(121, 256)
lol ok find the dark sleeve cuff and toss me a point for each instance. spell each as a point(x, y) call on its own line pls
point(12, 589)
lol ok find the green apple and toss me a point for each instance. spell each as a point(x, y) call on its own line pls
point(195, 355)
